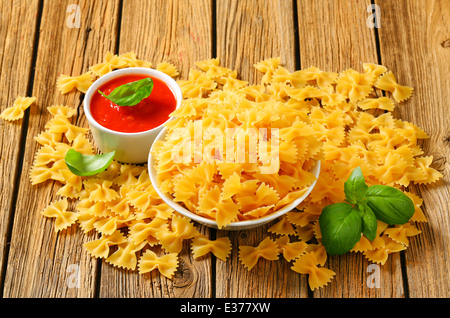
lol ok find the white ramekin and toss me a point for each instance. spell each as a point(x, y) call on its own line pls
point(241, 225)
point(130, 147)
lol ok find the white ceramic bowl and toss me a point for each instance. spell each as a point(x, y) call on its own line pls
point(130, 147)
point(241, 225)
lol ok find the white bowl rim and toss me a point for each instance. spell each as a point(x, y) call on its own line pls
point(176, 90)
point(211, 223)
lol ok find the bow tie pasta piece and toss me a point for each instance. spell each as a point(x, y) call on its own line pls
point(380, 254)
point(131, 60)
point(267, 67)
point(317, 276)
point(60, 124)
point(110, 224)
point(66, 83)
point(201, 245)
point(62, 110)
point(40, 174)
point(168, 69)
point(48, 138)
point(100, 190)
point(125, 256)
point(388, 82)
point(384, 103)
point(180, 228)
point(197, 85)
point(211, 205)
point(100, 248)
point(58, 210)
point(400, 233)
point(374, 69)
point(354, 85)
point(166, 264)
point(267, 249)
point(146, 231)
point(17, 110)
point(212, 68)
point(111, 62)
point(73, 185)
point(318, 77)
point(291, 250)
point(282, 227)
point(300, 218)
point(230, 82)
point(418, 216)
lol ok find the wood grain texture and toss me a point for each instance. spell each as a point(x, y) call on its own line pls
point(249, 32)
point(413, 42)
point(39, 262)
point(16, 55)
point(178, 32)
point(413, 37)
point(333, 36)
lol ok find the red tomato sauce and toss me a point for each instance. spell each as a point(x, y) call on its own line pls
point(151, 112)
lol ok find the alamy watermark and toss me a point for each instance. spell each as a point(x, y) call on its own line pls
point(374, 279)
point(373, 20)
point(73, 279)
point(232, 145)
point(74, 18)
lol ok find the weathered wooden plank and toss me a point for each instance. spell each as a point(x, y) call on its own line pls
point(414, 37)
point(178, 32)
point(334, 36)
point(43, 263)
point(249, 32)
point(16, 55)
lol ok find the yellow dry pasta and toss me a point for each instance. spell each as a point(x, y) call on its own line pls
point(166, 264)
point(250, 255)
point(201, 245)
point(58, 210)
point(317, 276)
point(17, 110)
point(320, 115)
point(168, 69)
point(66, 83)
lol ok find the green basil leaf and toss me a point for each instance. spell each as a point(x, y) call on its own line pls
point(369, 223)
point(340, 226)
point(389, 204)
point(131, 93)
point(86, 165)
point(355, 187)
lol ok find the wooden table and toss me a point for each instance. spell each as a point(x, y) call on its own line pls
point(40, 39)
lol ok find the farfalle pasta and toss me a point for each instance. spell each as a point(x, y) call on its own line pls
point(262, 175)
point(58, 210)
point(17, 110)
point(317, 276)
point(267, 249)
point(66, 83)
point(319, 115)
point(166, 264)
point(201, 245)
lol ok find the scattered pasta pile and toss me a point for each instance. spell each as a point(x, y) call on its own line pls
point(322, 115)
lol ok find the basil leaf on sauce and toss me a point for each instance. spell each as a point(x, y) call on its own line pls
point(130, 94)
point(87, 165)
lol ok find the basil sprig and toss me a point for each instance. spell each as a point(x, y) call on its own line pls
point(87, 165)
point(341, 224)
point(130, 94)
